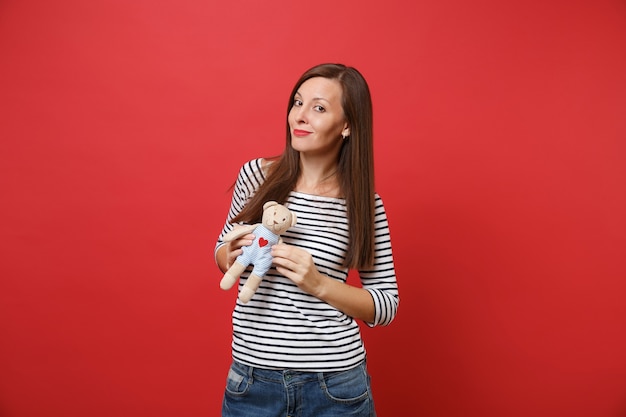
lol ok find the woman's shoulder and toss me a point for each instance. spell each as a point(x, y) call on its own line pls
point(258, 165)
point(252, 165)
point(254, 169)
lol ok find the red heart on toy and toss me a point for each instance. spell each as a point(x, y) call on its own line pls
point(262, 242)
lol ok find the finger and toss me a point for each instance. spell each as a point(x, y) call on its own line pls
point(281, 264)
point(232, 256)
point(246, 240)
point(281, 250)
point(283, 271)
point(286, 263)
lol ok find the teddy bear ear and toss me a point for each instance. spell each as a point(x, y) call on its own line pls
point(294, 218)
point(269, 204)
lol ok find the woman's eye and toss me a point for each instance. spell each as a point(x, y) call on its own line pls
point(319, 109)
point(297, 102)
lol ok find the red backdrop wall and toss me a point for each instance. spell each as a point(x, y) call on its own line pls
point(500, 152)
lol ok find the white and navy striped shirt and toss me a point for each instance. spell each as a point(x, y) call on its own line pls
point(283, 327)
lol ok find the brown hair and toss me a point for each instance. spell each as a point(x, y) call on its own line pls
point(355, 165)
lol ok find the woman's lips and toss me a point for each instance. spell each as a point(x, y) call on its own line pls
point(300, 133)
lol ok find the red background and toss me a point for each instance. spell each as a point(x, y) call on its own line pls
point(500, 152)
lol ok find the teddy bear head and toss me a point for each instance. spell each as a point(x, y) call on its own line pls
point(277, 217)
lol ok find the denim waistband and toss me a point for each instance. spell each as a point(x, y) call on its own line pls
point(279, 375)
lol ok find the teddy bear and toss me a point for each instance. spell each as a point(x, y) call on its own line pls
point(275, 221)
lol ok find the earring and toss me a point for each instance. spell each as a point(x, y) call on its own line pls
point(344, 136)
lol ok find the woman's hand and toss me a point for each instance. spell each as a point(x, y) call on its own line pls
point(297, 264)
point(228, 253)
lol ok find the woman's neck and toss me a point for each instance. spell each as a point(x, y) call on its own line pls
point(318, 177)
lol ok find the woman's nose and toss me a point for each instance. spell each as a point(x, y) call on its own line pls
point(300, 114)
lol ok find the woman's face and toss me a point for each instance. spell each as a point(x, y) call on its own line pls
point(316, 119)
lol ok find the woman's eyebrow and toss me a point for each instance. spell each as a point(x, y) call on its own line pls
point(314, 98)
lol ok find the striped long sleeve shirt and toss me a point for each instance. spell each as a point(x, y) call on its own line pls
point(283, 327)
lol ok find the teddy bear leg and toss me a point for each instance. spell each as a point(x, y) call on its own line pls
point(230, 277)
point(250, 287)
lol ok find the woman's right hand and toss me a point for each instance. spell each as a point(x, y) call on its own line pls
point(228, 253)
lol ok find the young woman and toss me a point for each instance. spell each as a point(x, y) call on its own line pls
point(297, 348)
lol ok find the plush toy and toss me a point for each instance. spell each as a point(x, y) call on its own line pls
point(276, 220)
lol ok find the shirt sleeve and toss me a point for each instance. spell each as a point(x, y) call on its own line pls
point(380, 280)
point(249, 179)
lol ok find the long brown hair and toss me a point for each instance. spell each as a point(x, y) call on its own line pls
point(355, 165)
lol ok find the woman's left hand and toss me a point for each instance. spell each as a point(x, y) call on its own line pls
point(297, 264)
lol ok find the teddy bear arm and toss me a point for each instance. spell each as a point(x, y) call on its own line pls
point(238, 232)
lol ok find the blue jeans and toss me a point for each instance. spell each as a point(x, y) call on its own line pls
point(254, 392)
